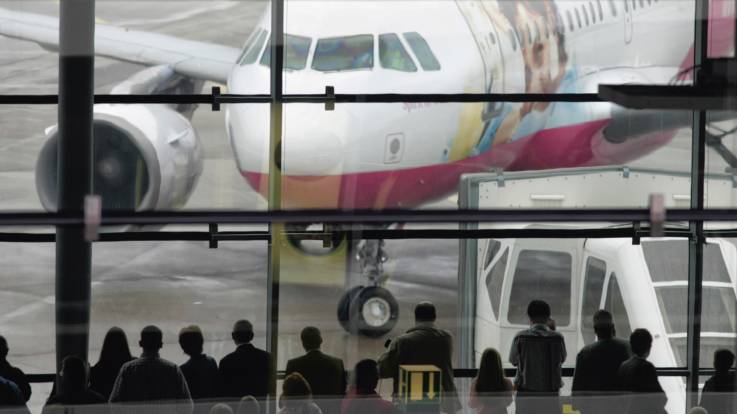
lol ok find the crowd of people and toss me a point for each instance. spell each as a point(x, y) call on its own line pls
point(608, 373)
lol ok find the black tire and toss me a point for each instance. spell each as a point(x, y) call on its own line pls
point(382, 300)
point(344, 315)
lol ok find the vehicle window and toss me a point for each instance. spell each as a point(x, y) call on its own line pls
point(578, 18)
point(593, 13)
point(613, 8)
point(570, 20)
point(634, 5)
point(491, 251)
point(585, 14)
point(344, 53)
point(717, 308)
point(253, 54)
point(642, 3)
point(513, 39)
point(593, 288)
point(601, 11)
point(422, 50)
point(491, 37)
point(667, 260)
point(615, 305)
point(251, 40)
point(708, 346)
point(296, 50)
point(494, 282)
point(545, 275)
point(392, 54)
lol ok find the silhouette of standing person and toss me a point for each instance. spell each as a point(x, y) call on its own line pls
point(324, 373)
point(718, 395)
point(247, 370)
point(114, 353)
point(296, 396)
point(11, 373)
point(74, 388)
point(152, 380)
point(638, 377)
point(201, 371)
point(491, 391)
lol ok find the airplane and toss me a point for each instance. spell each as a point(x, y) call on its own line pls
point(393, 155)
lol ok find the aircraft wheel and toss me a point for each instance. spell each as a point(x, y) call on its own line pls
point(344, 315)
point(373, 312)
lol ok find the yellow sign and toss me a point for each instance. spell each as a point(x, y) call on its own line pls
point(419, 386)
point(568, 409)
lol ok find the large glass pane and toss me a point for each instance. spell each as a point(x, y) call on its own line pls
point(542, 275)
point(592, 293)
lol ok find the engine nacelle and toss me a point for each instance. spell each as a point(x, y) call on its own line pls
point(146, 157)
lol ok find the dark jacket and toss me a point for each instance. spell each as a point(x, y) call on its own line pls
point(326, 377)
point(82, 397)
point(638, 376)
point(245, 371)
point(423, 345)
point(10, 394)
point(201, 372)
point(718, 395)
point(17, 376)
point(102, 377)
point(597, 365)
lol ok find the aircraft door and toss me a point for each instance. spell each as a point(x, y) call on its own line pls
point(627, 21)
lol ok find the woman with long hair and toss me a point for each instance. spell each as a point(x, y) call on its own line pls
point(114, 353)
point(491, 392)
point(296, 397)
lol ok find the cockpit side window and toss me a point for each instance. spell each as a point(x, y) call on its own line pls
point(252, 54)
point(392, 54)
point(249, 42)
point(344, 53)
point(296, 50)
point(422, 50)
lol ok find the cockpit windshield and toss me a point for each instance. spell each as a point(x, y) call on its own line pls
point(422, 50)
point(392, 54)
point(296, 50)
point(253, 48)
point(344, 53)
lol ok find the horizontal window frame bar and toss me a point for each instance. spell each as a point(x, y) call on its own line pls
point(388, 216)
point(218, 99)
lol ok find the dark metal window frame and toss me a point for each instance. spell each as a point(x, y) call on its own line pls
point(696, 216)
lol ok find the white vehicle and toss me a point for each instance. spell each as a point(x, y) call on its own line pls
point(643, 286)
point(398, 155)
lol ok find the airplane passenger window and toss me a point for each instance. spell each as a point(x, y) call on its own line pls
point(491, 37)
point(593, 288)
point(601, 11)
point(255, 50)
point(585, 14)
point(578, 18)
point(491, 251)
point(570, 20)
point(667, 260)
point(344, 53)
point(513, 39)
point(634, 5)
point(615, 305)
point(422, 50)
point(545, 275)
point(642, 3)
point(494, 282)
point(296, 50)
point(593, 13)
point(392, 54)
point(613, 8)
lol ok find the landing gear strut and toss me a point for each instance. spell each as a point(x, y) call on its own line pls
point(369, 310)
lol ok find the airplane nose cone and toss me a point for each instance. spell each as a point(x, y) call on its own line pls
point(314, 140)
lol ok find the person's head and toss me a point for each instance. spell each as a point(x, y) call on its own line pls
point(539, 312)
point(74, 374)
point(723, 360)
point(367, 376)
point(115, 350)
point(221, 408)
point(248, 405)
point(242, 332)
point(697, 410)
point(295, 390)
point(311, 338)
point(151, 339)
point(3, 348)
point(425, 312)
point(603, 324)
point(641, 341)
point(491, 375)
point(191, 340)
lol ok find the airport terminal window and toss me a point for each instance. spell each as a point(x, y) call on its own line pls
point(253, 54)
point(491, 251)
point(593, 288)
point(494, 282)
point(296, 50)
point(344, 53)
point(615, 305)
point(392, 54)
point(613, 8)
point(422, 50)
point(667, 260)
point(717, 308)
point(709, 345)
point(545, 275)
